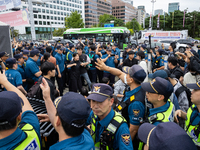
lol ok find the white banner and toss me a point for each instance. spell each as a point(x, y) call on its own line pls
point(8, 4)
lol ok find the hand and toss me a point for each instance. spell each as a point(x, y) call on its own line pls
point(108, 55)
point(116, 56)
point(154, 70)
point(74, 64)
point(100, 64)
point(3, 78)
point(151, 51)
point(45, 89)
point(177, 113)
point(59, 75)
point(189, 54)
point(178, 53)
point(43, 117)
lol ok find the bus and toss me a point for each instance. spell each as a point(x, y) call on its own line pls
point(119, 35)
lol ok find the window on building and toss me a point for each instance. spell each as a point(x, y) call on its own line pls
point(39, 10)
point(48, 23)
point(52, 22)
point(57, 7)
point(35, 16)
point(54, 6)
point(65, 13)
point(40, 22)
point(64, 8)
point(67, 9)
point(51, 11)
point(43, 10)
point(55, 18)
point(48, 17)
point(61, 8)
point(51, 17)
point(44, 17)
point(39, 16)
point(51, 6)
point(47, 5)
point(67, 4)
point(58, 18)
point(58, 13)
point(80, 2)
point(60, 2)
point(62, 18)
point(63, 3)
point(80, 7)
point(61, 13)
point(44, 23)
point(57, 1)
point(36, 22)
point(72, 5)
point(54, 12)
point(55, 22)
point(47, 11)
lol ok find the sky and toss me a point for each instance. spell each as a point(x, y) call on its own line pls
point(163, 4)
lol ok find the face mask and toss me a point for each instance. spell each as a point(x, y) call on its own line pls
point(125, 81)
point(194, 74)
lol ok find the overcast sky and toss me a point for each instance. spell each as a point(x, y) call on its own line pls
point(163, 4)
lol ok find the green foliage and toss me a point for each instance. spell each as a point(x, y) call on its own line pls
point(134, 25)
point(15, 32)
point(192, 22)
point(58, 32)
point(74, 20)
point(105, 18)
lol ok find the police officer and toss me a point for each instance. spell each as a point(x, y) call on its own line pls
point(32, 71)
point(19, 125)
point(192, 117)
point(4, 56)
point(68, 115)
point(13, 76)
point(158, 60)
point(116, 51)
point(158, 92)
point(132, 106)
point(109, 61)
point(130, 61)
point(60, 61)
point(143, 48)
point(25, 54)
point(108, 128)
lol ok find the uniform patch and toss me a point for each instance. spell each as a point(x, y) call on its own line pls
point(96, 89)
point(126, 138)
point(136, 112)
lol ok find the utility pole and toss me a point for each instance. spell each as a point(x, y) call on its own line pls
point(153, 1)
point(30, 7)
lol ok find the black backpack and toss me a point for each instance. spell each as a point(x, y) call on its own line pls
point(35, 91)
point(188, 93)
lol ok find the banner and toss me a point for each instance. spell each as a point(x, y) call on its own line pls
point(16, 18)
point(184, 19)
point(8, 4)
point(158, 21)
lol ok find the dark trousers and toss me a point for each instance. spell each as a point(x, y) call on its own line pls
point(61, 82)
point(93, 75)
point(110, 76)
point(75, 84)
point(100, 75)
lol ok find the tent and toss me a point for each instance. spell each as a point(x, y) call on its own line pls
point(5, 41)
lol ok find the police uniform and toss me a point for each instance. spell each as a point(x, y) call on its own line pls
point(93, 70)
point(111, 132)
point(14, 77)
point(158, 62)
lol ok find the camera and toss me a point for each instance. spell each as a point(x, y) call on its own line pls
point(112, 54)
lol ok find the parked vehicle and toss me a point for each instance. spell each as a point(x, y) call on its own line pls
point(185, 41)
point(194, 40)
point(179, 47)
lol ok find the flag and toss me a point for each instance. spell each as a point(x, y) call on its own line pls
point(150, 21)
point(172, 19)
point(158, 21)
point(184, 19)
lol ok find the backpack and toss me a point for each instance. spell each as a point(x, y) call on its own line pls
point(35, 91)
point(188, 93)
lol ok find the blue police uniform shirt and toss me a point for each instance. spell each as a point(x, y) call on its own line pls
point(146, 55)
point(95, 59)
point(31, 69)
point(161, 62)
point(123, 130)
point(86, 50)
point(54, 51)
point(195, 114)
point(60, 60)
point(83, 141)
point(69, 56)
point(38, 62)
point(14, 77)
point(18, 136)
point(103, 52)
point(153, 111)
point(136, 105)
point(109, 62)
point(21, 70)
point(116, 52)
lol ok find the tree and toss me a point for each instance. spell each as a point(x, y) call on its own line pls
point(74, 20)
point(58, 32)
point(105, 18)
point(134, 25)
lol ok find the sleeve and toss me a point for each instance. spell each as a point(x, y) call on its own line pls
point(88, 59)
point(125, 63)
point(166, 52)
point(116, 89)
point(161, 62)
point(104, 56)
point(175, 102)
point(183, 101)
point(136, 111)
point(122, 140)
point(70, 57)
point(31, 118)
point(34, 68)
point(18, 79)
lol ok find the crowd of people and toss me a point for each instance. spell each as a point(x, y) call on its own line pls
point(112, 101)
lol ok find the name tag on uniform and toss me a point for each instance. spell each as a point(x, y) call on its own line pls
point(33, 145)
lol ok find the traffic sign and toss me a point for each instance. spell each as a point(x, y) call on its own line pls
point(109, 25)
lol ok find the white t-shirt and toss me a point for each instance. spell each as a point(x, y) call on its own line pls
point(143, 64)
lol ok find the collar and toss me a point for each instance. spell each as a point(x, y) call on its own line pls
point(104, 122)
point(159, 109)
point(159, 56)
point(130, 93)
point(31, 59)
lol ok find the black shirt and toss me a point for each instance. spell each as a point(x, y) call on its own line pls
point(75, 70)
point(129, 63)
point(83, 59)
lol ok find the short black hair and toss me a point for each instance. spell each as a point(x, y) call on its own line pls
point(74, 55)
point(104, 46)
point(72, 130)
point(84, 91)
point(47, 66)
point(166, 98)
point(108, 43)
point(46, 56)
point(105, 80)
point(141, 54)
point(79, 47)
point(10, 125)
point(92, 47)
point(49, 49)
point(90, 43)
point(173, 61)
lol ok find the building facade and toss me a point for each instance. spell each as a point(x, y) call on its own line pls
point(173, 6)
point(95, 8)
point(141, 14)
point(51, 15)
point(123, 10)
point(158, 11)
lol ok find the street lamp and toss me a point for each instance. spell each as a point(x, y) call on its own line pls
point(153, 1)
